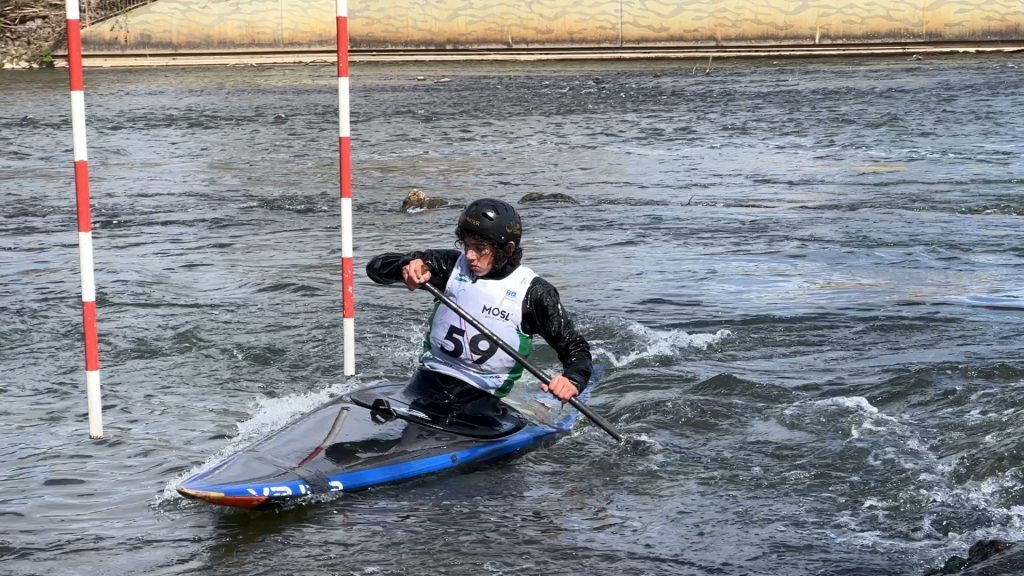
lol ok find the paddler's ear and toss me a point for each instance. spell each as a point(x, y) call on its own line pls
point(510, 248)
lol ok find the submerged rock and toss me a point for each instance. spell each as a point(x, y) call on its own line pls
point(417, 199)
point(553, 197)
point(986, 558)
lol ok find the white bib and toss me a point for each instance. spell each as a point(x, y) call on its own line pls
point(455, 348)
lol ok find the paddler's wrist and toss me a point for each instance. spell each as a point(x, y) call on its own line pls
point(413, 256)
point(574, 375)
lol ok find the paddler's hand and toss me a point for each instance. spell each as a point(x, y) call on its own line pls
point(561, 387)
point(415, 274)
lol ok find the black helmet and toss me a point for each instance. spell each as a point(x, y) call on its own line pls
point(492, 220)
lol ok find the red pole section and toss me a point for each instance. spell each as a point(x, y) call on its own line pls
point(345, 182)
point(90, 333)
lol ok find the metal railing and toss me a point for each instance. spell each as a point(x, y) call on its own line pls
point(94, 11)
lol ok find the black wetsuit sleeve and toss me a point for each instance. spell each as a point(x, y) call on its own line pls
point(543, 314)
point(387, 268)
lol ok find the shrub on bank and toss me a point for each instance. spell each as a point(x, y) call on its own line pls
point(29, 32)
point(32, 30)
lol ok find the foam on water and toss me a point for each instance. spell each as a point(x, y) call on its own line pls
point(651, 343)
point(857, 403)
point(986, 498)
point(927, 500)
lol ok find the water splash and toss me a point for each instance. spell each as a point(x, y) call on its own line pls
point(652, 343)
point(271, 414)
point(641, 445)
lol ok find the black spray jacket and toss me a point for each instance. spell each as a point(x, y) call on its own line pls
point(542, 308)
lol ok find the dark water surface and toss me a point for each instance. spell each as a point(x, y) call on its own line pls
point(803, 276)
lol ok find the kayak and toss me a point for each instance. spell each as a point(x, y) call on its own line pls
point(371, 437)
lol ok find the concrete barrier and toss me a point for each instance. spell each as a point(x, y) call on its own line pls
point(169, 26)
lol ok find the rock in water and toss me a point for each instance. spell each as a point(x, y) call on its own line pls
point(988, 558)
point(553, 197)
point(417, 199)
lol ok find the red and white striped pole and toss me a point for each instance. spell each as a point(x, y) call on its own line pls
point(345, 164)
point(90, 333)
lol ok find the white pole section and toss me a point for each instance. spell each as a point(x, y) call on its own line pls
point(345, 176)
point(89, 331)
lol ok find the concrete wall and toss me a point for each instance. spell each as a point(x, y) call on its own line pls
point(198, 25)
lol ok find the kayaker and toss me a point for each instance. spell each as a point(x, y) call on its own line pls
point(459, 367)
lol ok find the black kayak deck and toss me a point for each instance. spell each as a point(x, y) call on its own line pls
point(397, 401)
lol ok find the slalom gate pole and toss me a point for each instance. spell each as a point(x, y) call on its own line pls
point(90, 333)
point(345, 177)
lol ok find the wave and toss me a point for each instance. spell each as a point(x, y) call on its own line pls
point(649, 343)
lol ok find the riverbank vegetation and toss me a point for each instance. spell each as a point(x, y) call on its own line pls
point(31, 31)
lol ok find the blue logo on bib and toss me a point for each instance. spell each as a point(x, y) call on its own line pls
point(510, 294)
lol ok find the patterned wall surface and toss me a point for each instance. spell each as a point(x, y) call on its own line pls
point(379, 24)
point(806, 21)
point(485, 22)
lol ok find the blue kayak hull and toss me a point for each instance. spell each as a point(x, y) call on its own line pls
point(343, 446)
point(256, 494)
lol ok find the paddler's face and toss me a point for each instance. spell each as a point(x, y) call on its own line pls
point(480, 256)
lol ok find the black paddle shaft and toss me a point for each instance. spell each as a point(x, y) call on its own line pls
point(519, 358)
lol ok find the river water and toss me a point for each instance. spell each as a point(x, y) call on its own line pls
point(803, 277)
